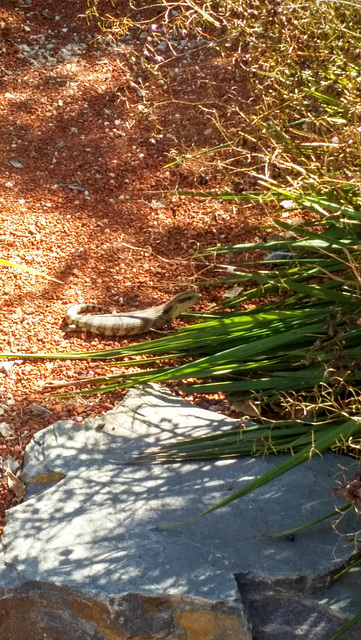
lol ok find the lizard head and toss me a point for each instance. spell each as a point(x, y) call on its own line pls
point(181, 302)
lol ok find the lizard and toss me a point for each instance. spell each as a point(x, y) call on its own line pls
point(129, 323)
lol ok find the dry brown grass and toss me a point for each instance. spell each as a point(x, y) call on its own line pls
point(300, 125)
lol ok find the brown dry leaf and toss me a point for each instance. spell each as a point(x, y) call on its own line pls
point(248, 408)
point(17, 486)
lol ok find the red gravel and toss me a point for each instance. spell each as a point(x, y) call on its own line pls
point(71, 115)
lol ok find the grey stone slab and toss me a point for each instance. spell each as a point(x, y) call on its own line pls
point(281, 617)
point(142, 420)
point(94, 527)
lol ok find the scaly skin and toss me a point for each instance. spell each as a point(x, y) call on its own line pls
point(132, 322)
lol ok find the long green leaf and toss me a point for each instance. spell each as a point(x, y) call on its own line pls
point(301, 527)
point(351, 623)
point(292, 380)
point(208, 365)
point(22, 267)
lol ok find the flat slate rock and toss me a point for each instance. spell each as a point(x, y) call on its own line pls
point(90, 519)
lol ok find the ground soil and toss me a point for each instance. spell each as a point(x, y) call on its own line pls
point(85, 199)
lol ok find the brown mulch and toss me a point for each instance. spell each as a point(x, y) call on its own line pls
point(85, 136)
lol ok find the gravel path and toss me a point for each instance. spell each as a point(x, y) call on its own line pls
point(86, 132)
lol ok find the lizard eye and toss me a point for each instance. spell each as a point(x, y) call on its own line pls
point(188, 297)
